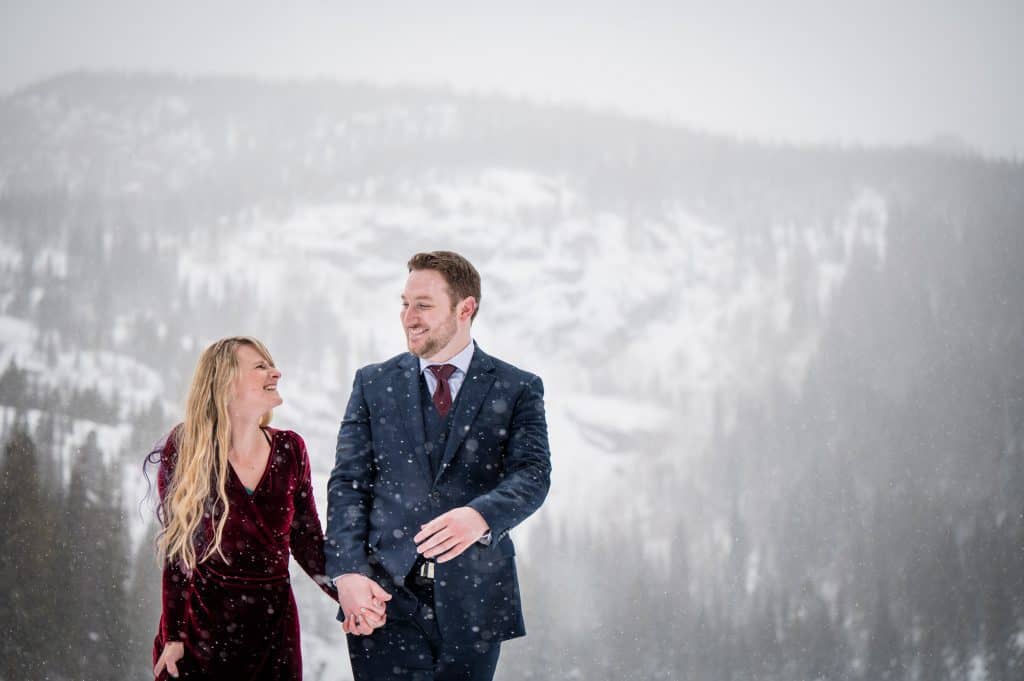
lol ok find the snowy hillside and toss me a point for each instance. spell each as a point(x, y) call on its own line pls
point(724, 330)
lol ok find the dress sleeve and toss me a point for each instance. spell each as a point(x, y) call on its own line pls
point(307, 535)
point(176, 581)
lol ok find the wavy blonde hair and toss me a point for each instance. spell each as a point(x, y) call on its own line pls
point(199, 483)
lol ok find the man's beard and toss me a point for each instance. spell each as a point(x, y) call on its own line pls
point(435, 342)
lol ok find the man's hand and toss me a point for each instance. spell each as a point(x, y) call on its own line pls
point(449, 534)
point(173, 652)
point(363, 602)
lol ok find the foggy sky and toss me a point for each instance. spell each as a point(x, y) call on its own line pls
point(802, 71)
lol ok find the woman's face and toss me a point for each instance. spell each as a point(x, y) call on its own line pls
point(255, 388)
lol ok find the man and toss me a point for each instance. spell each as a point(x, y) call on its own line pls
point(441, 452)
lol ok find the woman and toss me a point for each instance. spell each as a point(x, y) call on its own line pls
point(235, 499)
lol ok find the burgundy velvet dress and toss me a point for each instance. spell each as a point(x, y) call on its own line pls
point(237, 617)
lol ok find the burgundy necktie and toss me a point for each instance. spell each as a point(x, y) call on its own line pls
point(443, 393)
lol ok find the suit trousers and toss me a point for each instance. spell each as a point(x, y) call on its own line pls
point(411, 649)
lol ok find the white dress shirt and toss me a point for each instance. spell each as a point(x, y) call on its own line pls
point(460, 361)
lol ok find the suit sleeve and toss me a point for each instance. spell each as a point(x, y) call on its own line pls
point(176, 582)
point(527, 461)
point(307, 537)
point(349, 490)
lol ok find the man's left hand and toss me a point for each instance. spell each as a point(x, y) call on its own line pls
point(449, 534)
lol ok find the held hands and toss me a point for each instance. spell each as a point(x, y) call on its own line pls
point(445, 537)
point(172, 652)
point(363, 602)
point(449, 534)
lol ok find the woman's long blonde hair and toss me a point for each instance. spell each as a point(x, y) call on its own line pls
point(199, 484)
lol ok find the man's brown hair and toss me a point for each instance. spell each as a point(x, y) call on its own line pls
point(462, 278)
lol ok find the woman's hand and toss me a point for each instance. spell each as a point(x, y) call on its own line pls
point(363, 602)
point(173, 651)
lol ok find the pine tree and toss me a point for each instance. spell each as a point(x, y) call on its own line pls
point(14, 386)
point(885, 658)
point(677, 627)
point(997, 603)
point(143, 604)
point(114, 556)
point(98, 561)
point(46, 439)
point(763, 637)
point(27, 603)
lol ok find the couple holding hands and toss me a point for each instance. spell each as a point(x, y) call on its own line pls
point(442, 450)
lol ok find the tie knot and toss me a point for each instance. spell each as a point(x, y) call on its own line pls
point(442, 372)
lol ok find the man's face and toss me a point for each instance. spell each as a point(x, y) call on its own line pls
point(428, 317)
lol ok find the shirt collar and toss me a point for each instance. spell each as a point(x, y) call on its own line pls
point(461, 360)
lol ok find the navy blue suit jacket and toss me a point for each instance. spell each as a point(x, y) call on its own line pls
point(496, 460)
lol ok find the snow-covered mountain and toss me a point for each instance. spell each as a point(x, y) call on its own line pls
point(684, 297)
point(575, 281)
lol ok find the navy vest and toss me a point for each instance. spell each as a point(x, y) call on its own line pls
point(434, 427)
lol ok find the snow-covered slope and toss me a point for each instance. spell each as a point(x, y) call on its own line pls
point(657, 280)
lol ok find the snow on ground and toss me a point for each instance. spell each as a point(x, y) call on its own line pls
point(16, 339)
point(10, 256)
point(136, 383)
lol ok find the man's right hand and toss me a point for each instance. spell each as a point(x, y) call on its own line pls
point(363, 602)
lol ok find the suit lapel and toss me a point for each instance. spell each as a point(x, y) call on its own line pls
point(467, 403)
point(410, 380)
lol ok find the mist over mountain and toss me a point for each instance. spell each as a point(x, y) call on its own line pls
point(785, 386)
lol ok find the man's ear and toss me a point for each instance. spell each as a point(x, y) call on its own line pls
point(467, 307)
